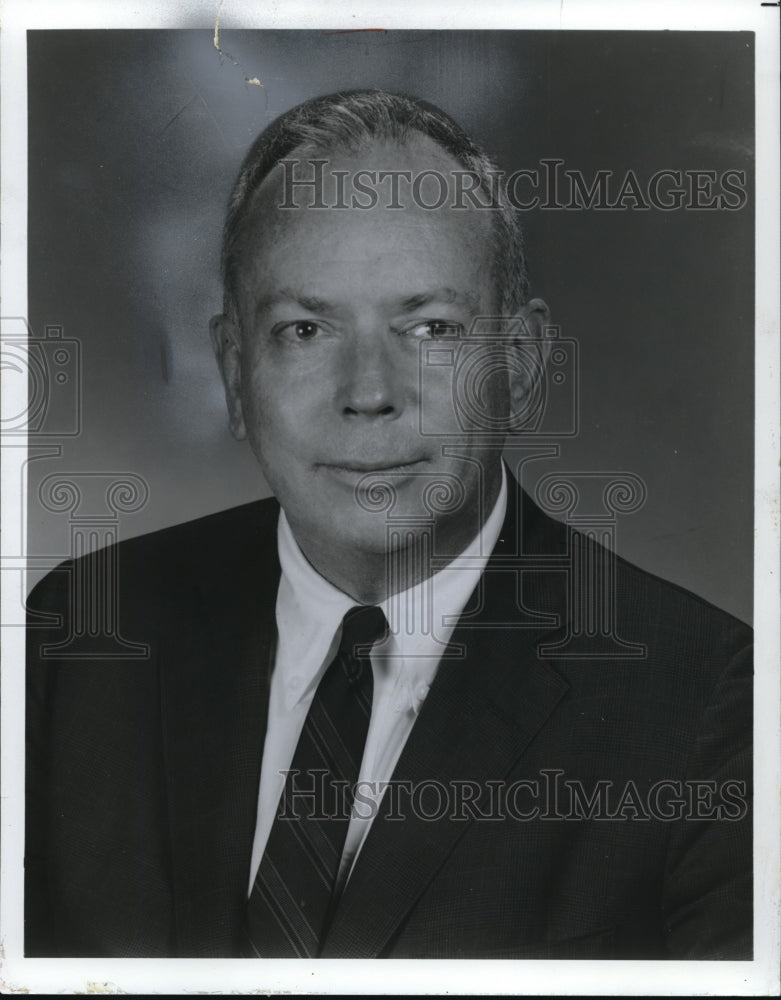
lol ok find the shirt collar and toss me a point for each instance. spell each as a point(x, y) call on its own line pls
point(310, 610)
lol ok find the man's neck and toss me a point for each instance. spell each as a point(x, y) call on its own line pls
point(369, 577)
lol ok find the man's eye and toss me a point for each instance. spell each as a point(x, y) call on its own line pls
point(434, 329)
point(305, 329)
point(299, 330)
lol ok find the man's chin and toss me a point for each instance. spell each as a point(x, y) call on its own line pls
point(362, 531)
point(366, 533)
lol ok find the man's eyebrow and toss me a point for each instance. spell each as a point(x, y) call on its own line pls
point(309, 302)
point(409, 304)
point(444, 295)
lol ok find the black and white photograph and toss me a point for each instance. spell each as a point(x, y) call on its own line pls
point(390, 458)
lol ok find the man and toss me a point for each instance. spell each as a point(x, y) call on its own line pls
point(360, 730)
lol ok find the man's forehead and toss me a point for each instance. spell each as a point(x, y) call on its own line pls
point(376, 175)
point(345, 203)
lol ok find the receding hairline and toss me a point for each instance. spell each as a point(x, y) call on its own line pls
point(351, 121)
point(272, 183)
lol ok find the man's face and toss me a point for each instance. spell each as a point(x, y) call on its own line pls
point(336, 307)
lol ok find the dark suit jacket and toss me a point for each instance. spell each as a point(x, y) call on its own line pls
point(143, 773)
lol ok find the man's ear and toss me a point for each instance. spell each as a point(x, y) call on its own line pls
point(226, 341)
point(529, 326)
point(533, 317)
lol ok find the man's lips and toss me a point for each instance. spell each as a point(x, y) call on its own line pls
point(383, 465)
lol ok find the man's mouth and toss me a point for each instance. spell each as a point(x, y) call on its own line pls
point(378, 466)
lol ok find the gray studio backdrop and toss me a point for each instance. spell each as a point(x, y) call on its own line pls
point(135, 138)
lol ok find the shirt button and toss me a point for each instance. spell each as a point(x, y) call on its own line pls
point(421, 691)
point(295, 682)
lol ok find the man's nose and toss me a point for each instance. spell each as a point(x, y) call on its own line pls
point(370, 384)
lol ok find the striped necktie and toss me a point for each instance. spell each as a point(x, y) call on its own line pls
point(289, 908)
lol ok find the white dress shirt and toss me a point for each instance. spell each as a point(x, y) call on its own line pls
point(309, 613)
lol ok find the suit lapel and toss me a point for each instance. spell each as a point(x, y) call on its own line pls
point(480, 715)
point(215, 667)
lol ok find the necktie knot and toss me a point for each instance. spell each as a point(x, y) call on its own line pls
point(362, 626)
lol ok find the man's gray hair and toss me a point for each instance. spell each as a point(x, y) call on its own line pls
point(350, 121)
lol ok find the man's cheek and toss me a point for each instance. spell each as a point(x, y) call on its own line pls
point(436, 405)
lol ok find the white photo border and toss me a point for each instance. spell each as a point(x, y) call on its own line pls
point(759, 977)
